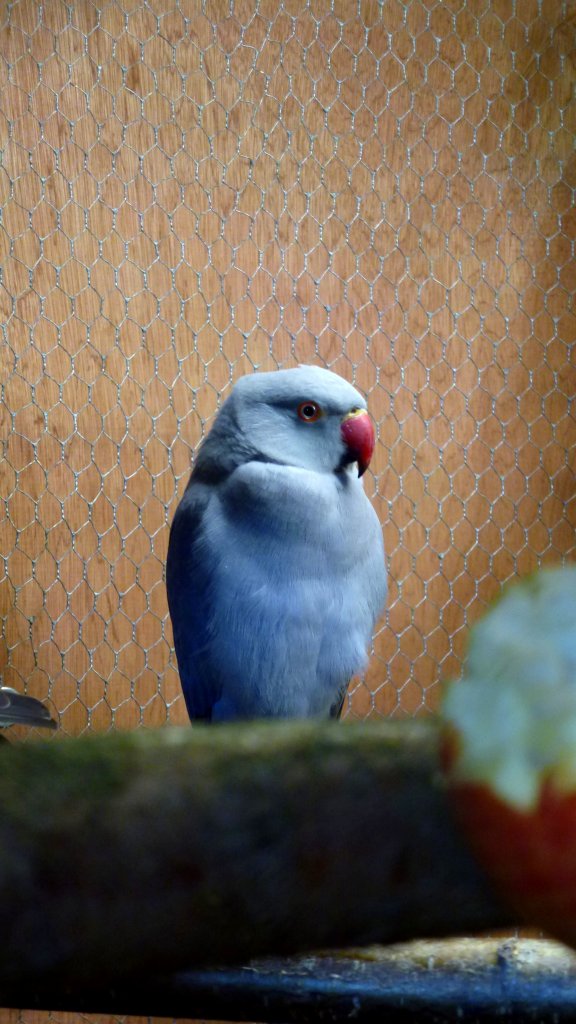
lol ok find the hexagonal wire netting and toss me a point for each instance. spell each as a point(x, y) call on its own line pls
point(194, 189)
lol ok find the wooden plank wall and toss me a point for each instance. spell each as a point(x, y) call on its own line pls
point(190, 190)
point(193, 190)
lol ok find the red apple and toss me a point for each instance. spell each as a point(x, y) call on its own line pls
point(510, 748)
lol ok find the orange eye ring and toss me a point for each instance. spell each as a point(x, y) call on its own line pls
point(309, 412)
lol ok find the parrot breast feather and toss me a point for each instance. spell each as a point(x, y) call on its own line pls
point(283, 583)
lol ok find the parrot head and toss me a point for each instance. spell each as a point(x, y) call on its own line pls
point(307, 417)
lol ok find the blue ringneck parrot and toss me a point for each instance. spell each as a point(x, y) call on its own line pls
point(275, 571)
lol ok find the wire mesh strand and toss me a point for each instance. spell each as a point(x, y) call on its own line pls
point(191, 191)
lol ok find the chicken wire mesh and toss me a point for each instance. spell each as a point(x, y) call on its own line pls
point(193, 190)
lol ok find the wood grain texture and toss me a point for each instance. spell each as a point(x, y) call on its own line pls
point(192, 190)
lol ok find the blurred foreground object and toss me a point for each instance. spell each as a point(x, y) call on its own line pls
point(158, 851)
point(511, 747)
point(438, 981)
point(18, 709)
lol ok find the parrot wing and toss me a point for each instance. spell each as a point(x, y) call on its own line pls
point(188, 586)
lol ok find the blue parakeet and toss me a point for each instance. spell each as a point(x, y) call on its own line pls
point(275, 571)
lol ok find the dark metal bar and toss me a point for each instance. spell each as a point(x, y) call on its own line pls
point(472, 981)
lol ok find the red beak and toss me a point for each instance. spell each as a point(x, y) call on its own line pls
point(358, 434)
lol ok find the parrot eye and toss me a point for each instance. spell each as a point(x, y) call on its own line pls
point(309, 411)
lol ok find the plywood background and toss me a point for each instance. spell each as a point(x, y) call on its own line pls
point(190, 191)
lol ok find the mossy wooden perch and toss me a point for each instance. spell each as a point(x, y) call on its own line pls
point(155, 851)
